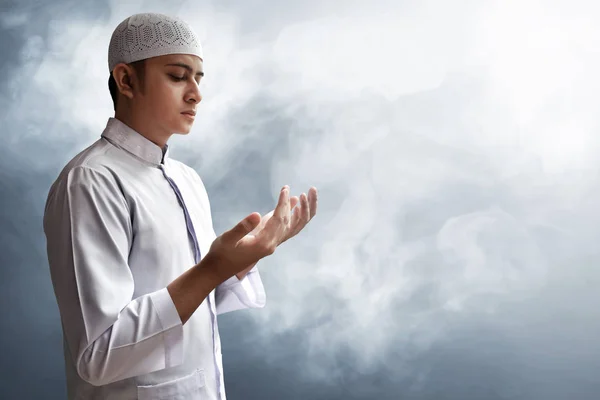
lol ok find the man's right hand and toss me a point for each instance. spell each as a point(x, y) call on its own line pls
point(229, 254)
point(235, 249)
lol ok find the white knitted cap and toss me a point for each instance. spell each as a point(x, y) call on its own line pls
point(147, 35)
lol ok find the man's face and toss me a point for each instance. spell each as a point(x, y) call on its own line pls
point(170, 92)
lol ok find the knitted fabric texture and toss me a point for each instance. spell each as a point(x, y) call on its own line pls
point(147, 35)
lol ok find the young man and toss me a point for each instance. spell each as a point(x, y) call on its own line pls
point(138, 271)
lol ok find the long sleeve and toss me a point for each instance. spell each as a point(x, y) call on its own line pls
point(235, 294)
point(111, 336)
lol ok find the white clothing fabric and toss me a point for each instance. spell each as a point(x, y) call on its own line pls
point(116, 237)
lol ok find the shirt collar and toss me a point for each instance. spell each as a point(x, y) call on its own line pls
point(133, 142)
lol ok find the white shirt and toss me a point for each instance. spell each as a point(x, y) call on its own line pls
point(117, 235)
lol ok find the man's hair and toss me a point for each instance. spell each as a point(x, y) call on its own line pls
point(138, 67)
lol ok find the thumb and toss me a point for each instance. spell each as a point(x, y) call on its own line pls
point(243, 227)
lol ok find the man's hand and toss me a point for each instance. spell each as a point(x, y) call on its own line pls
point(237, 250)
point(301, 216)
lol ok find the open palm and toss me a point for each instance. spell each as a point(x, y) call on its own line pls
point(300, 216)
point(242, 244)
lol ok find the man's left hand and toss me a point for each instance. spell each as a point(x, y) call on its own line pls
point(301, 216)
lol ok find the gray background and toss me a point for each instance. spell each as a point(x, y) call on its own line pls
point(455, 149)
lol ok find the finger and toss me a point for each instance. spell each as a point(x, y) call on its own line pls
point(312, 200)
point(243, 227)
point(296, 212)
point(282, 211)
point(305, 217)
point(265, 218)
point(293, 202)
point(300, 218)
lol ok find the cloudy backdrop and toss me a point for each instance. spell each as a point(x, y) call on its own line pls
point(455, 147)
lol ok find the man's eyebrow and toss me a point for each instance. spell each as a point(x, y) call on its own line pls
point(187, 67)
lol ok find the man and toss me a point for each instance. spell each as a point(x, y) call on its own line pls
point(138, 271)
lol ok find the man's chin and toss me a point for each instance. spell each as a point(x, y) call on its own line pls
point(183, 130)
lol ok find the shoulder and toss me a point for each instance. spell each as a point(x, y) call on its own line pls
point(88, 174)
point(84, 185)
point(95, 159)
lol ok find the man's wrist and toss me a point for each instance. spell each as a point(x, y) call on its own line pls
point(209, 268)
point(192, 287)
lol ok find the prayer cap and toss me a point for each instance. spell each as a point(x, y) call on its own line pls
point(147, 35)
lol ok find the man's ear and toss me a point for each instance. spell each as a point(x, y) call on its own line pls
point(124, 77)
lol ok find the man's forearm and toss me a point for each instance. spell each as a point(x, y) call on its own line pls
point(190, 289)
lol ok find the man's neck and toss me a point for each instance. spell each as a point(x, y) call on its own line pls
point(141, 126)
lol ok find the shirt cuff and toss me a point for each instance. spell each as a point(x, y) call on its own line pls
point(235, 294)
point(172, 327)
point(234, 280)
